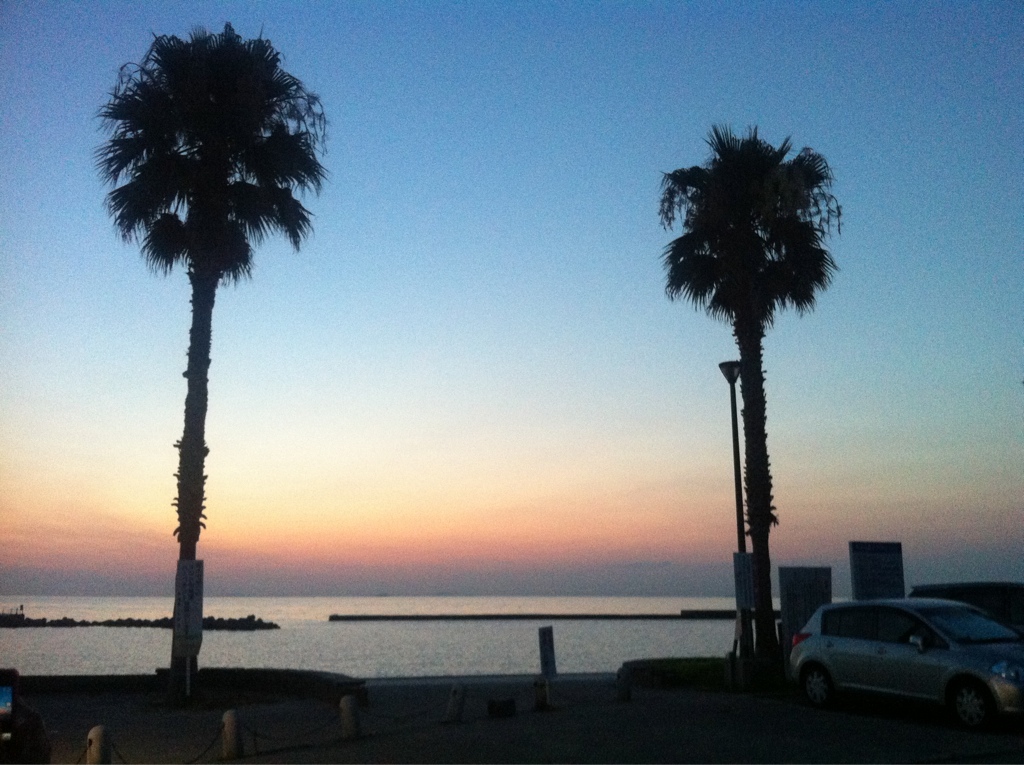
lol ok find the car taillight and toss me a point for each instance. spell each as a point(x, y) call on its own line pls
point(800, 637)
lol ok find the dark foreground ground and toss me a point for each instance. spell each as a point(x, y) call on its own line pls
point(402, 722)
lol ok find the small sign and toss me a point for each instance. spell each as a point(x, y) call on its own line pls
point(876, 570)
point(547, 652)
point(743, 573)
point(188, 608)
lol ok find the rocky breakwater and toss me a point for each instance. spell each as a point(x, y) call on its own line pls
point(245, 624)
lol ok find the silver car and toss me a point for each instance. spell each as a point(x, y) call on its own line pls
point(938, 650)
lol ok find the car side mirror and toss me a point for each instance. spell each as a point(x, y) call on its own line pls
point(918, 640)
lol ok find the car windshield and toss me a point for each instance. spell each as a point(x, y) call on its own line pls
point(966, 625)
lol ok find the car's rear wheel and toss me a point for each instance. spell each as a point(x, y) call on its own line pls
point(817, 685)
point(971, 704)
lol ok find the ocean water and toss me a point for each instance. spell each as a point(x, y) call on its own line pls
point(307, 640)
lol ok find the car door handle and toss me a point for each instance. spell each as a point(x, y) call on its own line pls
point(828, 644)
point(881, 651)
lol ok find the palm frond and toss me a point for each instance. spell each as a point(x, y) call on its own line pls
point(165, 243)
point(681, 190)
point(233, 256)
point(284, 159)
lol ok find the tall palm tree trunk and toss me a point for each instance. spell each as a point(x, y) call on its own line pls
point(760, 516)
point(192, 448)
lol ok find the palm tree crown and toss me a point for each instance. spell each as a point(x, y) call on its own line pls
point(754, 225)
point(211, 138)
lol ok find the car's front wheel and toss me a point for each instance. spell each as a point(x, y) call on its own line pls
point(971, 704)
point(817, 685)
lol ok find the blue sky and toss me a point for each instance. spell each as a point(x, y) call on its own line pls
point(470, 373)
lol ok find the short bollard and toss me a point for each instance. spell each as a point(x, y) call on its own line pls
point(541, 694)
point(97, 748)
point(231, 736)
point(547, 651)
point(623, 684)
point(349, 717)
point(731, 680)
point(456, 704)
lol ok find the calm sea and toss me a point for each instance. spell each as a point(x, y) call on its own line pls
point(307, 640)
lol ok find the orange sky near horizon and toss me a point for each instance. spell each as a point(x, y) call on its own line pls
point(688, 517)
point(398, 525)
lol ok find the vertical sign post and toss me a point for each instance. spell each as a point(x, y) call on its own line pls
point(743, 576)
point(743, 572)
point(547, 652)
point(188, 612)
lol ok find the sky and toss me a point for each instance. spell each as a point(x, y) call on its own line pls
point(469, 380)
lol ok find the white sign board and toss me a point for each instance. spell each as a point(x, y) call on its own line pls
point(743, 572)
point(188, 608)
point(876, 570)
point(547, 652)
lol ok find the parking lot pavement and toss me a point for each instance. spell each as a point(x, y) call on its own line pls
point(403, 722)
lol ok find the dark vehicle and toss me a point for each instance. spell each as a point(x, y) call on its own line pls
point(22, 732)
point(1003, 601)
point(920, 648)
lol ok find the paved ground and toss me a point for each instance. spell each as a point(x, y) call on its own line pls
point(403, 723)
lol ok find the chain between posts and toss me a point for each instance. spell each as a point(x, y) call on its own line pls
point(210, 746)
point(289, 738)
point(117, 751)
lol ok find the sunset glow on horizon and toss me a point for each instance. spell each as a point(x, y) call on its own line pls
point(469, 379)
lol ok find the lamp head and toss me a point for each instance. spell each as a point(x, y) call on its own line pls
point(731, 370)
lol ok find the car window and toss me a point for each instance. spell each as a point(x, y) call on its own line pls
point(895, 626)
point(849, 622)
point(1017, 606)
point(987, 599)
point(966, 625)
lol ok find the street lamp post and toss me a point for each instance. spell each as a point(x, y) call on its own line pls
point(731, 370)
point(744, 637)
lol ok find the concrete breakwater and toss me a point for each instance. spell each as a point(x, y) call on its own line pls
point(717, 614)
point(490, 617)
point(247, 624)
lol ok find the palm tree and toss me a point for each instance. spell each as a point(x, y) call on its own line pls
point(754, 224)
point(208, 138)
